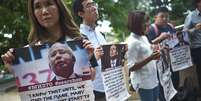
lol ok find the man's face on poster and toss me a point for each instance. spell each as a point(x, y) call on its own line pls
point(61, 60)
point(180, 37)
point(113, 52)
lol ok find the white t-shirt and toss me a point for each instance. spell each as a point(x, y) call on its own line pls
point(97, 39)
point(139, 48)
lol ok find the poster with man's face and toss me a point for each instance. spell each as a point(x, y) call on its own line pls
point(175, 55)
point(112, 64)
point(113, 56)
point(53, 72)
point(179, 52)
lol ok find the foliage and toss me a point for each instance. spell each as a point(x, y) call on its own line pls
point(13, 21)
point(1, 67)
point(178, 8)
point(116, 13)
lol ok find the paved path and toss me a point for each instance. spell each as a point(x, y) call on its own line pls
point(11, 95)
point(6, 86)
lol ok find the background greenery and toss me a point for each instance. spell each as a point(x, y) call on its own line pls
point(14, 24)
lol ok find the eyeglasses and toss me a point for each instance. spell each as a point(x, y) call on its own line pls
point(91, 4)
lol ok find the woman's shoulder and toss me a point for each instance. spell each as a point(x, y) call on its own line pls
point(134, 44)
point(131, 40)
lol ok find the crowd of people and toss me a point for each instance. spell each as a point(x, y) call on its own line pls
point(51, 21)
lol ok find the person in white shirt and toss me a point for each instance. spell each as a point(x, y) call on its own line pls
point(87, 10)
point(141, 58)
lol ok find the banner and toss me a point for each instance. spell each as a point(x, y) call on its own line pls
point(175, 55)
point(112, 72)
point(163, 67)
point(180, 53)
point(53, 72)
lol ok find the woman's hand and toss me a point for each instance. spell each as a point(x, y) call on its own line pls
point(7, 58)
point(87, 44)
point(98, 52)
point(155, 55)
point(155, 47)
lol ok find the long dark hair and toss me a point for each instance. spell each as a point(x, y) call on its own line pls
point(68, 26)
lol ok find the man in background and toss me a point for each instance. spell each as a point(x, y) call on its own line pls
point(87, 11)
point(193, 26)
point(159, 33)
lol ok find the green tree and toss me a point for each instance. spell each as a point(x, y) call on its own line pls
point(178, 8)
point(13, 24)
point(14, 20)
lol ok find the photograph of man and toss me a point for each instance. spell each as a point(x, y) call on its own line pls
point(114, 57)
point(166, 58)
point(61, 61)
point(181, 40)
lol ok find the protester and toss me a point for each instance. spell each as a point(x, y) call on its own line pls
point(193, 26)
point(87, 11)
point(51, 22)
point(160, 29)
point(159, 32)
point(141, 58)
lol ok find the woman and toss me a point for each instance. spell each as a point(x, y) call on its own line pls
point(141, 58)
point(51, 21)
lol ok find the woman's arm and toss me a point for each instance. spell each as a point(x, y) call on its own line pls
point(87, 44)
point(139, 65)
point(7, 58)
